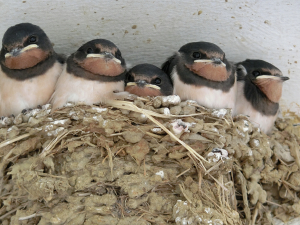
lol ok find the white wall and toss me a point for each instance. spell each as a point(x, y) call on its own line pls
point(150, 31)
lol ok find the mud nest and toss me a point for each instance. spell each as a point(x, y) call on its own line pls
point(150, 161)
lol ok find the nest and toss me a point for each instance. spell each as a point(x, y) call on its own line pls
point(150, 161)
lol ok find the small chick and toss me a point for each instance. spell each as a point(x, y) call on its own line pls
point(29, 69)
point(93, 74)
point(200, 72)
point(148, 80)
point(258, 93)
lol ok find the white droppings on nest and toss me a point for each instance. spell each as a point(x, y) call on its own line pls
point(184, 221)
point(48, 128)
point(47, 107)
point(60, 122)
point(180, 126)
point(207, 210)
point(181, 213)
point(157, 130)
point(69, 104)
point(216, 154)
point(11, 129)
point(250, 153)
point(33, 112)
point(71, 113)
point(256, 142)
point(171, 99)
point(246, 126)
point(55, 132)
point(38, 129)
point(43, 113)
point(240, 133)
point(215, 129)
point(6, 121)
point(161, 174)
point(99, 110)
point(219, 112)
point(218, 222)
point(104, 123)
point(209, 222)
point(167, 111)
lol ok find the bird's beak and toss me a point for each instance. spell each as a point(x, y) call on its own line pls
point(104, 55)
point(131, 84)
point(213, 60)
point(284, 78)
point(142, 83)
point(18, 51)
point(276, 77)
point(152, 86)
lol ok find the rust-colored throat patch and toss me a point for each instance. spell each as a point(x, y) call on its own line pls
point(26, 59)
point(272, 88)
point(102, 66)
point(209, 71)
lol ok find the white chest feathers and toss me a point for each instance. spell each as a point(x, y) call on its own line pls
point(16, 95)
point(70, 88)
point(206, 96)
point(243, 106)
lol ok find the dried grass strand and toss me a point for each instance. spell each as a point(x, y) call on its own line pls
point(131, 106)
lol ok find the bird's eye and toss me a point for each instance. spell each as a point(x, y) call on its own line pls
point(157, 81)
point(32, 39)
point(256, 73)
point(197, 55)
point(89, 51)
point(118, 55)
point(130, 78)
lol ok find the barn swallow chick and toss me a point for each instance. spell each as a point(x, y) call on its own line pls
point(148, 80)
point(29, 69)
point(259, 89)
point(93, 74)
point(201, 72)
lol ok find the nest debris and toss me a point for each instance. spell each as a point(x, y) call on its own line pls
point(150, 161)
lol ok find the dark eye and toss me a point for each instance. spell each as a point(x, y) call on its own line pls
point(256, 73)
point(89, 51)
point(130, 78)
point(118, 55)
point(32, 39)
point(157, 81)
point(197, 55)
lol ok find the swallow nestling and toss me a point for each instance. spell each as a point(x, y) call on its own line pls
point(148, 80)
point(259, 89)
point(201, 72)
point(29, 69)
point(92, 75)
